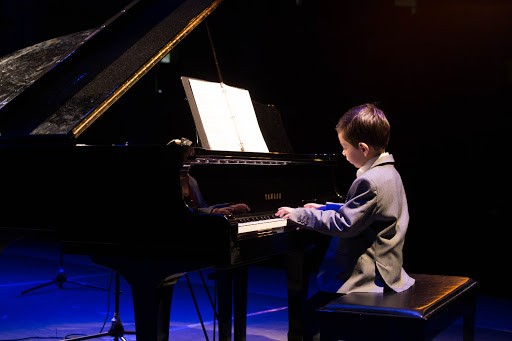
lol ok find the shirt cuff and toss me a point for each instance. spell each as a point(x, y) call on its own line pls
point(331, 206)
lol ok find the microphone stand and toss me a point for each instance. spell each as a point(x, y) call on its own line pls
point(61, 278)
point(116, 329)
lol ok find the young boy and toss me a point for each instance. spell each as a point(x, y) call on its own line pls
point(365, 253)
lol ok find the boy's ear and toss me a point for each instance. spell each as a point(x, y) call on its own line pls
point(364, 148)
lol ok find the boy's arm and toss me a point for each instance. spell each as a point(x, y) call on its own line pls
point(350, 219)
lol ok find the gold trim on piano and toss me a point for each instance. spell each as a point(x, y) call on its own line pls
point(96, 113)
point(273, 196)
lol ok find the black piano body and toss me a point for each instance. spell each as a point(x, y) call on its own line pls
point(126, 204)
point(127, 211)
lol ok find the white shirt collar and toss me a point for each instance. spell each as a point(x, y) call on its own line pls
point(369, 163)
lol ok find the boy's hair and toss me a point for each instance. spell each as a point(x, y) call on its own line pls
point(365, 123)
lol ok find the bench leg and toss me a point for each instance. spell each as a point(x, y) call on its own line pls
point(468, 319)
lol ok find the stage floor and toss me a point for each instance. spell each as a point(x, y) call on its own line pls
point(53, 313)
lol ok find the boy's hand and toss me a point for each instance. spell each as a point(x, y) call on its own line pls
point(284, 212)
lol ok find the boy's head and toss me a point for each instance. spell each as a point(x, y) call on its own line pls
point(364, 133)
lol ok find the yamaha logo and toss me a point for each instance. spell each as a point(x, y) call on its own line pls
point(272, 196)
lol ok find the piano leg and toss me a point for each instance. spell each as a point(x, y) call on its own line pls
point(153, 308)
point(151, 295)
point(232, 288)
point(225, 302)
point(240, 307)
point(298, 283)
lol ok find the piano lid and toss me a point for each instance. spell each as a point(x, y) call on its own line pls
point(22, 68)
point(76, 78)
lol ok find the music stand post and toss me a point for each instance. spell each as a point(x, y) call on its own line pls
point(116, 329)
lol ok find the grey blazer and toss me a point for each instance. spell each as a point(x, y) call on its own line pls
point(365, 253)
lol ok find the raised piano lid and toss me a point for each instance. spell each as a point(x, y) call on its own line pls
point(75, 79)
point(22, 68)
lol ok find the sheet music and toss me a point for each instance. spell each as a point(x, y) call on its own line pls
point(224, 116)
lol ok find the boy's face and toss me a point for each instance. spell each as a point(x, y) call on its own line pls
point(356, 155)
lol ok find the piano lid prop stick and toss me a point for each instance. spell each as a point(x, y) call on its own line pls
point(222, 83)
point(213, 50)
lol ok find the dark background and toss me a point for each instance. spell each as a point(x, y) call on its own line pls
point(441, 70)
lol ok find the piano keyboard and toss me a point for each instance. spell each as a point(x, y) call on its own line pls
point(259, 222)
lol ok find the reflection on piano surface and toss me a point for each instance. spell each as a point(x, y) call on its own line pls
point(129, 205)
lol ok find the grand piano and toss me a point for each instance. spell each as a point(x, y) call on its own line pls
point(128, 204)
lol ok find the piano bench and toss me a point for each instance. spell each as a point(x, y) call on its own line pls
point(432, 304)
